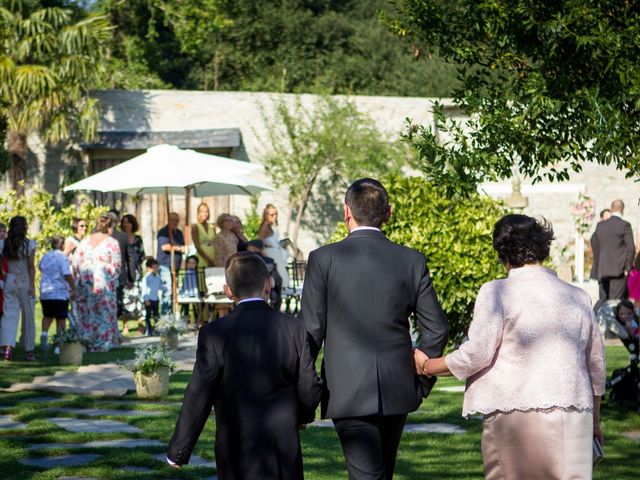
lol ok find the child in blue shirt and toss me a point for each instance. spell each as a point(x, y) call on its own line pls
point(151, 287)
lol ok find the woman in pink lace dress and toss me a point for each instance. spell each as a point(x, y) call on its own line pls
point(534, 364)
point(97, 266)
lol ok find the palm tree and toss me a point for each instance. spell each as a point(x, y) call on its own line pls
point(48, 64)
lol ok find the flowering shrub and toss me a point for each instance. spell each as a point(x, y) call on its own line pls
point(169, 325)
point(583, 212)
point(70, 335)
point(149, 358)
point(561, 252)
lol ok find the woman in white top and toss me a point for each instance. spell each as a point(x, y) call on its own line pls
point(271, 241)
point(19, 290)
point(534, 363)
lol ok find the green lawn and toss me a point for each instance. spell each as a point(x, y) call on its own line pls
point(421, 455)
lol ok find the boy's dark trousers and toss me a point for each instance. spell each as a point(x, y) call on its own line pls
point(151, 311)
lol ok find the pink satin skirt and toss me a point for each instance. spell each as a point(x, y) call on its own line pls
point(554, 444)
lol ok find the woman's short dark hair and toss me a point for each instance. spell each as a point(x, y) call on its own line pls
point(626, 304)
point(368, 201)
point(75, 222)
point(132, 220)
point(519, 239)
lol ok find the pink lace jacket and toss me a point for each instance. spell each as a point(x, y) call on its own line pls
point(533, 344)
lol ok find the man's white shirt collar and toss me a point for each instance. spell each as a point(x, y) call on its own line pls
point(365, 228)
point(616, 214)
point(252, 299)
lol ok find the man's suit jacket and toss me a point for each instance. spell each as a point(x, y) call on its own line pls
point(254, 367)
point(613, 248)
point(357, 298)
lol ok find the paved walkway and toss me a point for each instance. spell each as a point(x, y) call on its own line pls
point(106, 379)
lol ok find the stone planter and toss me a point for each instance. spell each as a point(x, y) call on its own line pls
point(71, 353)
point(153, 385)
point(170, 340)
point(565, 272)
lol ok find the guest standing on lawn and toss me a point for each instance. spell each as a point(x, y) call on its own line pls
point(19, 290)
point(97, 263)
point(204, 235)
point(164, 257)
point(132, 299)
point(79, 229)
point(226, 243)
point(534, 363)
point(56, 288)
point(268, 233)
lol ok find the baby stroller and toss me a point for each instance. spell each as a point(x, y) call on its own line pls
point(624, 384)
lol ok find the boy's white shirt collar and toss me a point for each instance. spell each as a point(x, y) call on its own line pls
point(252, 299)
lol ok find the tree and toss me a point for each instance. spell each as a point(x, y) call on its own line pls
point(48, 64)
point(329, 143)
point(547, 86)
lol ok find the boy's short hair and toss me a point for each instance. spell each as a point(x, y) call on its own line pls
point(2, 226)
point(55, 241)
point(369, 202)
point(193, 257)
point(246, 274)
point(151, 262)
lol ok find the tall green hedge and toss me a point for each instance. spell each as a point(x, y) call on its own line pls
point(454, 234)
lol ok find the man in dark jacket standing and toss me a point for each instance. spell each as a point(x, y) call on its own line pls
point(613, 251)
point(357, 298)
point(254, 367)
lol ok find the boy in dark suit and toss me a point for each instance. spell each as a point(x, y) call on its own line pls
point(253, 366)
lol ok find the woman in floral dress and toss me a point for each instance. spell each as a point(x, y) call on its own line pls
point(97, 264)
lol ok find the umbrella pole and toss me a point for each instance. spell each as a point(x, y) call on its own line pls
point(174, 280)
point(187, 229)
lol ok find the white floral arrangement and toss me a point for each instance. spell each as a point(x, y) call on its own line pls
point(169, 325)
point(148, 359)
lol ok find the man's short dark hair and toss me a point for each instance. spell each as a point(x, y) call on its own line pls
point(151, 262)
point(521, 240)
point(368, 201)
point(246, 274)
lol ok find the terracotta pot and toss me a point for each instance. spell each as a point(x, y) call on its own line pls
point(153, 385)
point(170, 340)
point(71, 353)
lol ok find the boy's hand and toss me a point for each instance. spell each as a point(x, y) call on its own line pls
point(147, 303)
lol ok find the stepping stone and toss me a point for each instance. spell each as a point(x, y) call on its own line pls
point(76, 478)
point(7, 423)
point(94, 426)
point(137, 469)
point(635, 436)
point(42, 400)
point(122, 443)
point(97, 412)
point(454, 388)
point(433, 428)
point(63, 461)
point(194, 461)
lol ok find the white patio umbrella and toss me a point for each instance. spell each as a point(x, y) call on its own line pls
point(168, 169)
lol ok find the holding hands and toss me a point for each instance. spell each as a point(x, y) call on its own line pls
point(420, 359)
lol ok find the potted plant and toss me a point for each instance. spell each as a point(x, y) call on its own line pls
point(71, 343)
point(169, 327)
point(151, 368)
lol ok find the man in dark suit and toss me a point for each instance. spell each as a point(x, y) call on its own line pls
point(613, 252)
point(357, 298)
point(254, 367)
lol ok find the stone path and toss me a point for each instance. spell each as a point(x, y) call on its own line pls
point(106, 379)
point(8, 423)
point(100, 412)
point(94, 426)
point(62, 461)
point(635, 436)
point(409, 427)
point(454, 388)
point(121, 443)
